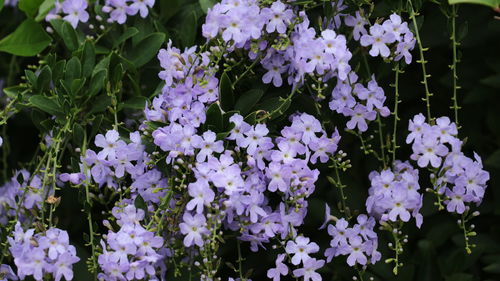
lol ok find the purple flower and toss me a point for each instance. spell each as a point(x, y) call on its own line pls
point(117, 10)
point(6, 273)
point(355, 248)
point(275, 66)
point(140, 6)
point(202, 195)
point(417, 127)
point(278, 17)
point(74, 178)
point(395, 26)
point(429, 150)
point(281, 269)
point(170, 61)
point(301, 248)
point(404, 47)
point(456, 200)
point(378, 39)
point(208, 145)
point(309, 270)
point(109, 144)
point(358, 23)
point(63, 266)
point(75, 10)
point(194, 229)
point(359, 115)
point(308, 125)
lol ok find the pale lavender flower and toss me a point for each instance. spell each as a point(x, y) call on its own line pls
point(280, 269)
point(359, 115)
point(140, 6)
point(75, 10)
point(309, 270)
point(194, 227)
point(378, 38)
point(279, 17)
point(301, 248)
point(358, 23)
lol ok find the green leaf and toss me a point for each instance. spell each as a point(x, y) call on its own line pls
point(138, 102)
point(78, 134)
point(44, 9)
point(32, 78)
point(206, 4)
point(44, 78)
point(29, 7)
point(131, 31)
point(88, 59)
point(493, 160)
point(76, 86)
point(248, 100)
point(1, 5)
point(101, 65)
point(189, 27)
point(66, 32)
point(73, 70)
point(214, 118)
point(492, 81)
point(493, 268)
point(14, 91)
point(97, 82)
point(46, 104)
point(491, 3)
point(146, 49)
point(29, 39)
point(226, 95)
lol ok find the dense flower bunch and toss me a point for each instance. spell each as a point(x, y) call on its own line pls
point(197, 171)
point(21, 193)
point(461, 179)
point(42, 253)
point(132, 252)
point(75, 11)
point(391, 31)
point(358, 242)
point(394, 194)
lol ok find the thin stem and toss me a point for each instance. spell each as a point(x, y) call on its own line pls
point(395, 112)
point(381, 139)
point(240, 259)
point(453, 37)
point(340, 186)
point(422, 61)
point(246, 71)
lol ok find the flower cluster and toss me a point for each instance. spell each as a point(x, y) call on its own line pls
point(190, 85)
point(394, 194)
point(392, 30)
point(298, 249)
point(345, 98)
point(303, 53)
point(241, 21)
point(359, 242)
point(131, 253)
point(22, 191)
point(462, 179)
point(42, 253)
point(117, 159)
point(242, 193)
point(72, 11)
point(118, 10)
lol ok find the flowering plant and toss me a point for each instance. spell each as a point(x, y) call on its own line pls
point(184, 140)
